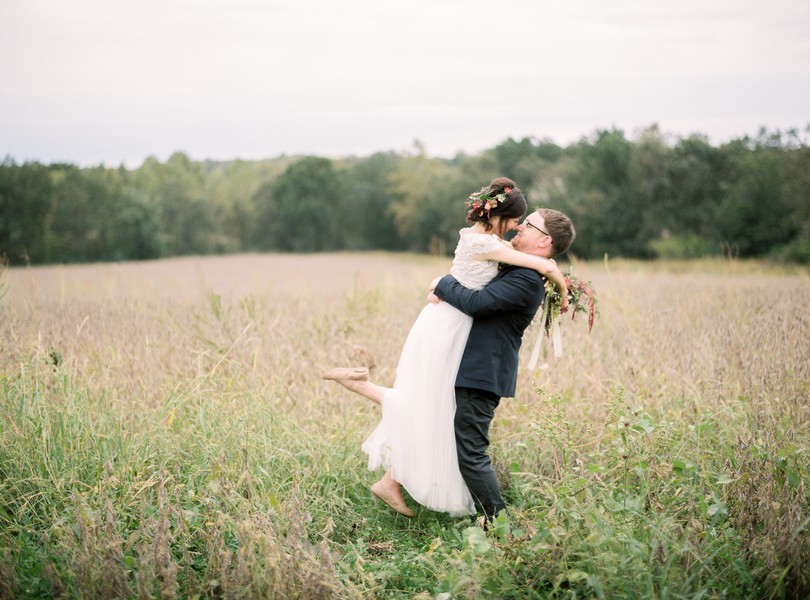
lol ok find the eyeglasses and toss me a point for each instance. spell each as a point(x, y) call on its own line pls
point(528, 223)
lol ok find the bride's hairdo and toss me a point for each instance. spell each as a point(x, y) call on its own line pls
point(501, 198)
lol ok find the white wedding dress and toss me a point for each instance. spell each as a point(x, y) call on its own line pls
point(416, 437)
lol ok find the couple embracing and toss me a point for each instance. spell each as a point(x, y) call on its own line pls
point(461, 357)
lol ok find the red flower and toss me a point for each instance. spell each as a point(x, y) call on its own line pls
point(581, 298)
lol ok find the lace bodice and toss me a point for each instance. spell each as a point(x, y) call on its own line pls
point(471, 273)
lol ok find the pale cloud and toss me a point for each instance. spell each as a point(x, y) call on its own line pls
point(90, 80)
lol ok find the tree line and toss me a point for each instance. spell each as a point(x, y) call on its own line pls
point(652, 196)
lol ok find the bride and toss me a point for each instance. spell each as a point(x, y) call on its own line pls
point(415, 439)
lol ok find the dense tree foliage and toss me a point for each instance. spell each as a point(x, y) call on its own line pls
point(650, 196)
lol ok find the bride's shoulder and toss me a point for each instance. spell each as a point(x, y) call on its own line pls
point(469, 232)
point(479, 242)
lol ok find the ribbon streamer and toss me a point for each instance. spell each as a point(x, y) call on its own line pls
point(556, 338)
point(556, 335)
point(546, 308)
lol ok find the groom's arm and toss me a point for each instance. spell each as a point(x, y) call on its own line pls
point(514, 291)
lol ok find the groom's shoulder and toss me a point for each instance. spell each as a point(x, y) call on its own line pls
point(522, 278)
point(520, 273)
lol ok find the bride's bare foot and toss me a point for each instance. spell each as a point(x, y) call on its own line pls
point(356, 380)
point(351, 374)
point(392, 497)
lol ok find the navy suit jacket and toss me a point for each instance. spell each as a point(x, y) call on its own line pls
point(501, 312)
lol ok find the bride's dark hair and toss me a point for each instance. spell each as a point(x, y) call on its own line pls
point(512, 203)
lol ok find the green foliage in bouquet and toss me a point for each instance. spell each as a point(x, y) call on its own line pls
point(581, 298)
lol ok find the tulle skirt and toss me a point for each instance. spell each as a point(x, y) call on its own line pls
point(415, 436)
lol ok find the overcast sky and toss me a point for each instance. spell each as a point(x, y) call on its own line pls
point(112, 81)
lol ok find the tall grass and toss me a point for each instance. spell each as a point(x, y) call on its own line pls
point(165, 434)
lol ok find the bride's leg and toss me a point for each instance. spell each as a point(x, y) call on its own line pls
point(389, 491)
point(358, 383)
point(370, 390)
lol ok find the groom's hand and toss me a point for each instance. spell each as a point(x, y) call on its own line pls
point(431, 297)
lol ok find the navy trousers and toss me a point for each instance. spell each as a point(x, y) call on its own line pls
point(474, 412)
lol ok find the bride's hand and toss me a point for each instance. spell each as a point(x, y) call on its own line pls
point(564, 303)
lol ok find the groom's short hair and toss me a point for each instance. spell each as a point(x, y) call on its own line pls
point(559, 227)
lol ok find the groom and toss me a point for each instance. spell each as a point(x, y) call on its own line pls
point(501, 312)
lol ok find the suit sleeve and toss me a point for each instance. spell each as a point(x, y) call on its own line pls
point(514, 291)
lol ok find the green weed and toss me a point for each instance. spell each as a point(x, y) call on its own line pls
point(185, 446)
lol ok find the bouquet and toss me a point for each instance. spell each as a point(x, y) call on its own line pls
point(581, 298)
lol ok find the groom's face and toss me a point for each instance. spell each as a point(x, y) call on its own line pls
point(532, 236)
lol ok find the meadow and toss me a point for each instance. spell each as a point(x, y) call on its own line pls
point(165, 433)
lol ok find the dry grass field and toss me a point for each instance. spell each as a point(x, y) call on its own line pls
point(164, 433)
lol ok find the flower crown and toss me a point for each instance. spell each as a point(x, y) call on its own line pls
point(482, 202)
